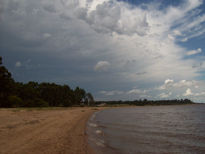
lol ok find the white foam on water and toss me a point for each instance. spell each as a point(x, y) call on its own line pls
point(93, 125)
point(100, 143)
point(98, 132)
point(93, 116)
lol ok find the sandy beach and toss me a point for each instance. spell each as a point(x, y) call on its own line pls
point(47, 131)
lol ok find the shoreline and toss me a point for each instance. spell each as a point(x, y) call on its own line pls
point(45, 131)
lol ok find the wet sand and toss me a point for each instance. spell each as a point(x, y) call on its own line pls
point(47, 131)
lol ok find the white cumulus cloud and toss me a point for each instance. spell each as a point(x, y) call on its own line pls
point(18, 64)
point(168, 83)
point(138, 44)
point(136, 91)
point(188, 92)
point(165, 95)
point(102, 66)
point(194, 52)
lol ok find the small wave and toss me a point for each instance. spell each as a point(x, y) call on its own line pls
point(98, 132)
point(93, 116)
point(100, 143)
point(93, 125)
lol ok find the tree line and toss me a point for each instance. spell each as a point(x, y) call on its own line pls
point(33, 94)
point(147, 102)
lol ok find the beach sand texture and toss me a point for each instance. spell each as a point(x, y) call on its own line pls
point(47, 131)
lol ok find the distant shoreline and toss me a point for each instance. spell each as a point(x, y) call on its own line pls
point(145, 102)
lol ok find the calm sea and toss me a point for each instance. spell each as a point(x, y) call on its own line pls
point(148, 129)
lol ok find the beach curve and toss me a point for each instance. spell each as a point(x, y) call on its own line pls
point(45, 131)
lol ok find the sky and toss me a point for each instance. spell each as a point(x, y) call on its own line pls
point(115, 49)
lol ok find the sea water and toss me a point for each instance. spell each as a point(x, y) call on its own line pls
point(148, 129)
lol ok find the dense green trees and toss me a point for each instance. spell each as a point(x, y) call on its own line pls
point(33, 94)
point(6, 83)
point(147, 102)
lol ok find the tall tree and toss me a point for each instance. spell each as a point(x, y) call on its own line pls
point(6, 84)
point(33, 94)
point(90, 99)
point(79, 95)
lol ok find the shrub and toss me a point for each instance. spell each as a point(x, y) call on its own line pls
point(15, 101)
point(41, 103)
point(36, 103)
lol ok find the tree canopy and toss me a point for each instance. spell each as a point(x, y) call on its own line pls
point(147, 102)
point(33, 94)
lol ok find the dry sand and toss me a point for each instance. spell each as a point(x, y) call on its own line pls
point(47, 131)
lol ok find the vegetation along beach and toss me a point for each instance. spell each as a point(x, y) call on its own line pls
point(102, 77)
